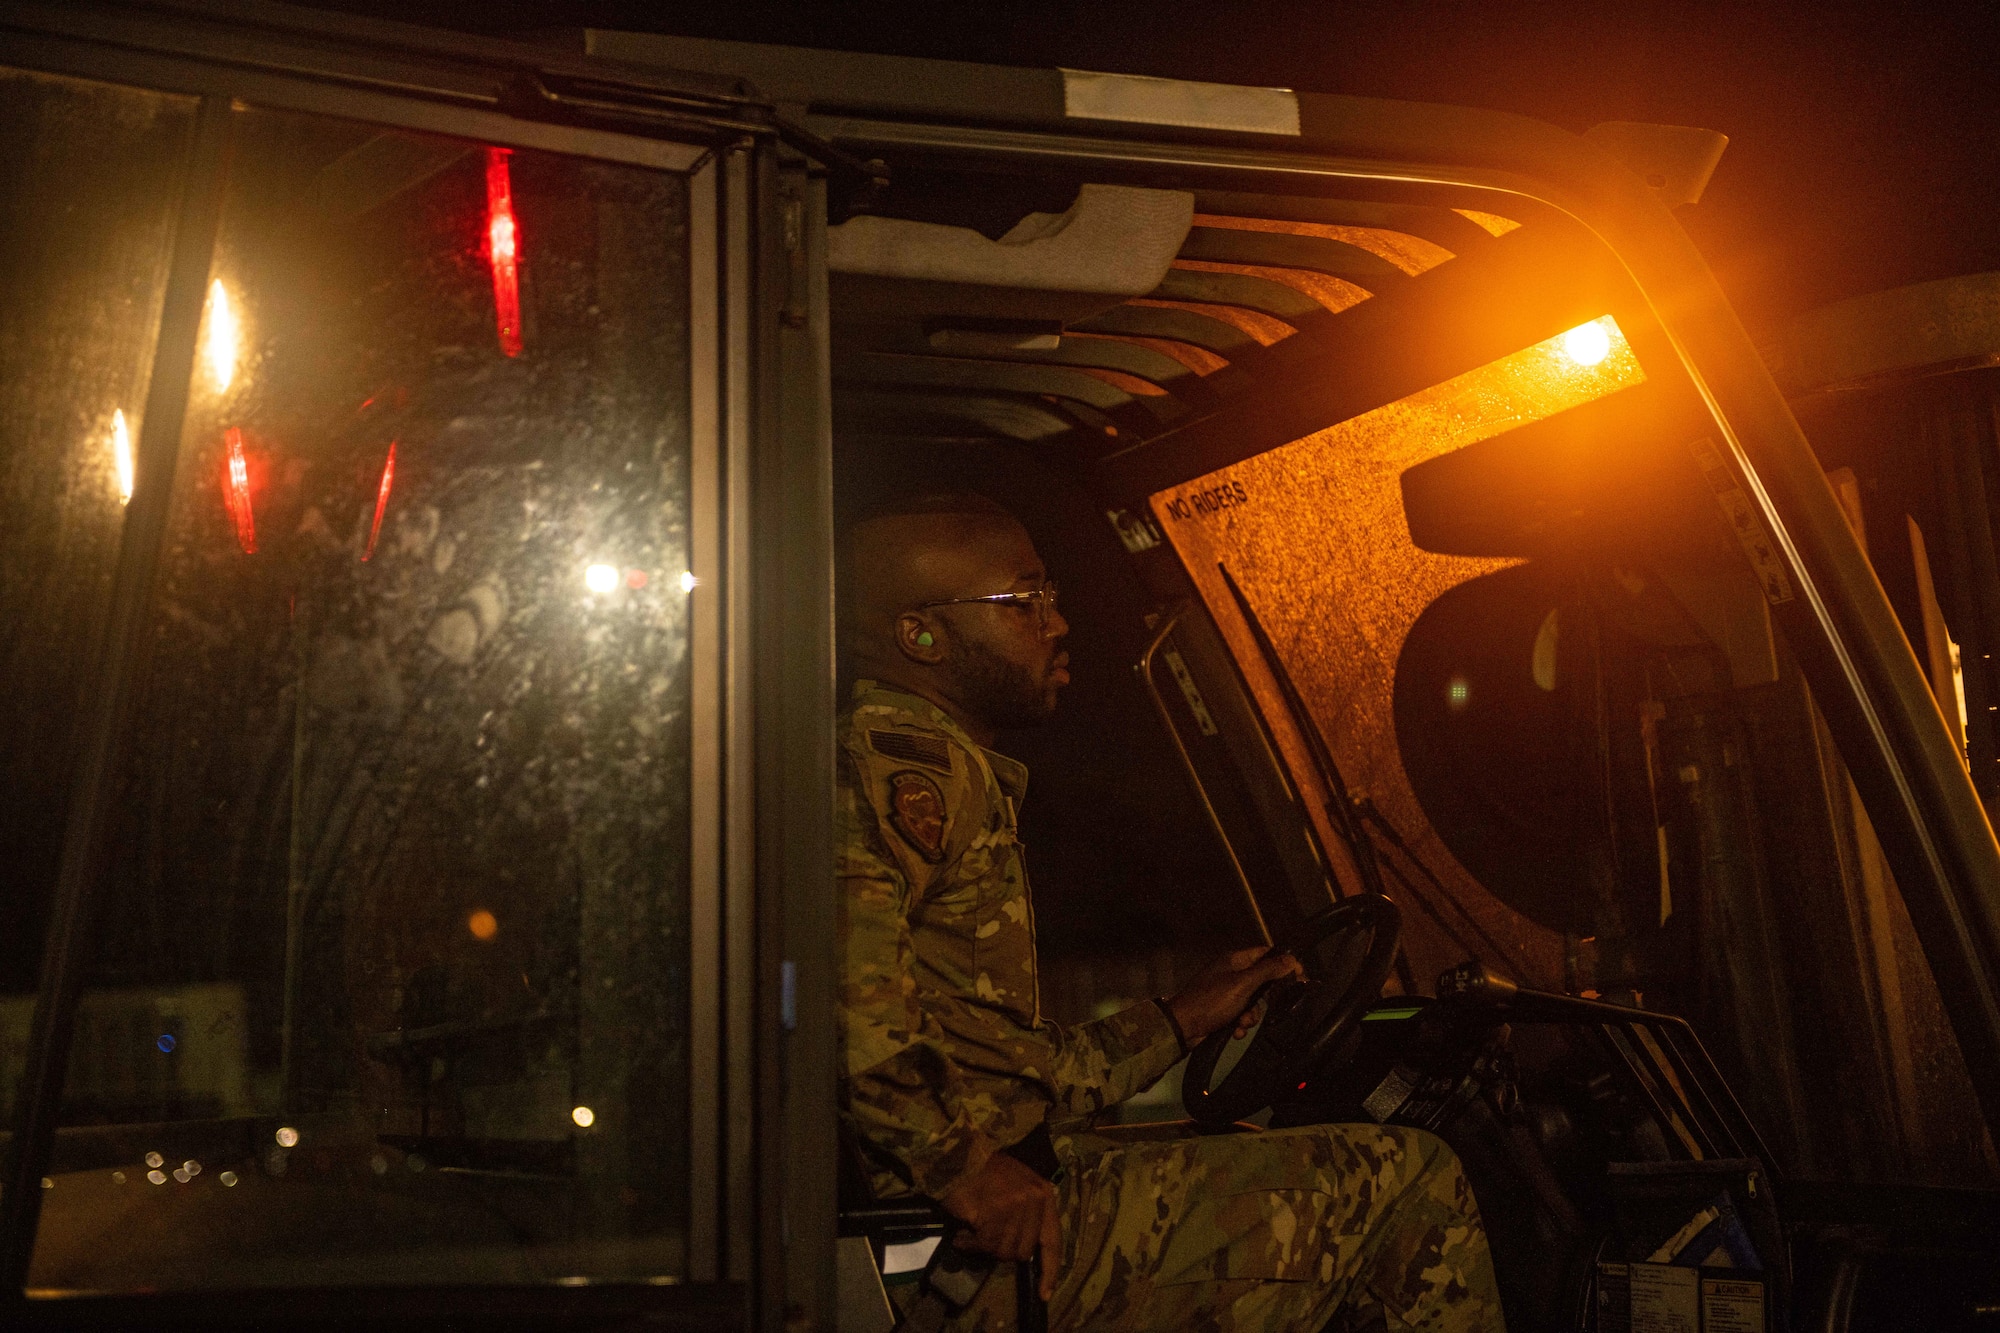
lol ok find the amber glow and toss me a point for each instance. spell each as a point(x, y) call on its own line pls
point(483, 925)
point(1265, 329)
point(1198, 359)
point(1412, 254)
point(1118, 379)
point(222, 338)
point(1492, 223)
point(1587, 344)
point(121, 455)
point(1336, 294)
point(1340, 618)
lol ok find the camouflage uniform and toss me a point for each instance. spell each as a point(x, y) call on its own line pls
point(947, 1059)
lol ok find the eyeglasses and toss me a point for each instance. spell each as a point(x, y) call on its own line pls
point(1043, 599)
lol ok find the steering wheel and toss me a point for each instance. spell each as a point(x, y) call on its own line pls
point(1304, 1021)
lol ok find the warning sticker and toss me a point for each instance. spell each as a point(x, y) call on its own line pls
point(1750, 532)
point(1665, 1299)
point(1614, 1298)
point(1731, 1306)
point(1192, 693)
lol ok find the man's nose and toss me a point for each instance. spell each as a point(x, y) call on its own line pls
point(1054, 626)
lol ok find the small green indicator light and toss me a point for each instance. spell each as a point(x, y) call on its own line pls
point(1403, 1011)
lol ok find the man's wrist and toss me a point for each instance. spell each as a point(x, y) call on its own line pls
point(962, 1156)
point(1180, 1033)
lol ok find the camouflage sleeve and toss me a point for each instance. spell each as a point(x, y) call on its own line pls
point(900, 1090)
point(1104, 1061)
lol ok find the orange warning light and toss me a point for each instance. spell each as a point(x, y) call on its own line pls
point(1587, 344)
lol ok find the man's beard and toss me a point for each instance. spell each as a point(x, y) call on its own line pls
point(1000, 692)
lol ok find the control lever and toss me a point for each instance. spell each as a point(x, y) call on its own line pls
point(1473, 982)
point(954, 1276)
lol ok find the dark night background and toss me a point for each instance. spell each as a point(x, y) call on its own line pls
point(1862, 156)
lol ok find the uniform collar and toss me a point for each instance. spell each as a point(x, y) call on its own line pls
point(1011, 773)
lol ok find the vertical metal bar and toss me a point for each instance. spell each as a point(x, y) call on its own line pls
point(739, 757)
point(1979, 588)
point(1649, 1088)
point(795, 633)
point(1695, 1058)
point(116, 678)
point(705, 869)
point(1720, 1141)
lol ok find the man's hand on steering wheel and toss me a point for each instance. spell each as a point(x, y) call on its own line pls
point(1220, 993)
point(1009, 1212)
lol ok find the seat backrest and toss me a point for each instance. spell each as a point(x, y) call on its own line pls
point(853, 1189)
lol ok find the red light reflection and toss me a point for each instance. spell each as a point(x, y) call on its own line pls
point(236, 491)
point(381, 499)
point(503, 249)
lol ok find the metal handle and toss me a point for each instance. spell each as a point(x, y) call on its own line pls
point(1144, 667)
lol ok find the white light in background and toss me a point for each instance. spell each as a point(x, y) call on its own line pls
point(584, 1117)
point(224, 339)
point(601, 578)
point(287, 1137)
point(121, 455)
point(687, 580)
point(1587, 344)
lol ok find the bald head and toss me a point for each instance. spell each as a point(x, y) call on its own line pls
point(990, 665)
point(897, 561)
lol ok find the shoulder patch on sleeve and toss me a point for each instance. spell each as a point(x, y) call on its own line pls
point(916, 809)
point(912, 747)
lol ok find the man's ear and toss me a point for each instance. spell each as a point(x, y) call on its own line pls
point(919, 638)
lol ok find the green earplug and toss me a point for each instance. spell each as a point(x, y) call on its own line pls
point(925, 640)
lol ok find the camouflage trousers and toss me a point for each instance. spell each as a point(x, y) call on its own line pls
point(1264, 1233)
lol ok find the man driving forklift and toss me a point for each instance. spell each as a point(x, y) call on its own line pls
point(955, 1087)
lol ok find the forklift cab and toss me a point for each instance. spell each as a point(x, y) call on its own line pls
point(423, 457)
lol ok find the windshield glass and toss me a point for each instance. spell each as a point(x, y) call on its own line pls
point(391, 982)
point(83, 260)
point(1339, 617)
point(1529, 625)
